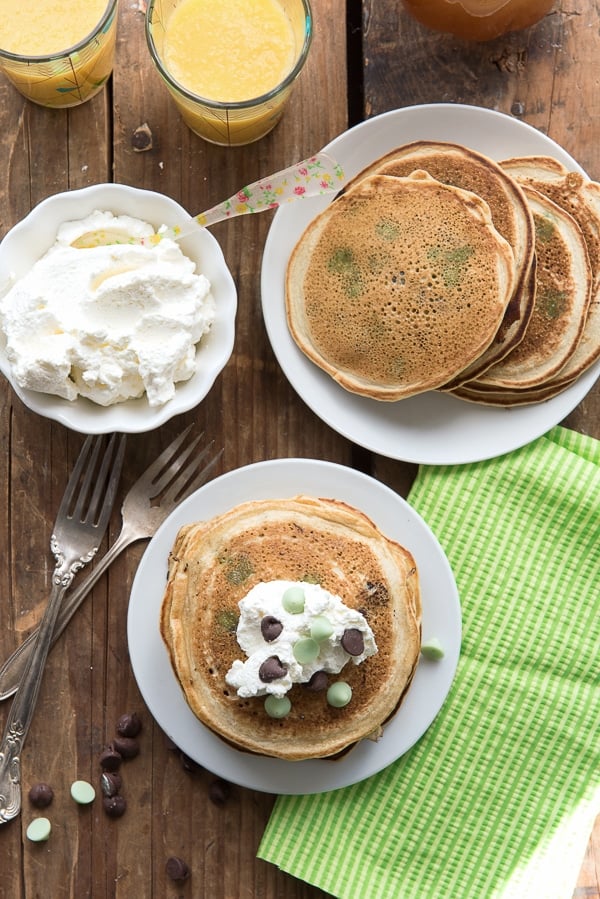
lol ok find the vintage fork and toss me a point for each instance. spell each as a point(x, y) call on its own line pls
point(141, 516)
point(78, 531)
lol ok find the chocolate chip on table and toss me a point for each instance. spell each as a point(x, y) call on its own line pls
point(318, 681)
point(177, 869)
point(110, 759)
point(127, 747)
point(41, 795)
point(271, 669)
point(114, 806)
point(270, 628)
point(129, 725)
point(352, 641)
point(110, 783)
point(219, 791)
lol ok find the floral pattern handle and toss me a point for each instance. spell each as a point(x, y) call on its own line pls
point(318, 175)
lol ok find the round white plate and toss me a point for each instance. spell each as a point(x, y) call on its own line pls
point(441, 618)
point(432, 428)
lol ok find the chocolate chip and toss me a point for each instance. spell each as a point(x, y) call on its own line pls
point(41, 795)
point(219, 791)
point(352, 641)
point(271, 669)
point(110, 783)
point(127, 747)
point(318, 681)
point(177, 869)
point(110, 759)
point(270, 628)
point(129, 725)
point(114, 806)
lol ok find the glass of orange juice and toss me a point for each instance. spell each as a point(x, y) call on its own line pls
point(58, 53)
point(229, 65)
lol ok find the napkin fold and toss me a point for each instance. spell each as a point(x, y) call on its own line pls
point(498, 798)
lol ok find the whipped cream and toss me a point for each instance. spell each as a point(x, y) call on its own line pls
point(265, 599)
point(109, 323)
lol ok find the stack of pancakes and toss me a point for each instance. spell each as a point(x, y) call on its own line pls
point(438, 268)
point(214, 564)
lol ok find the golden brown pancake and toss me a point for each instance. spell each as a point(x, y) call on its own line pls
point(564, 281)
point(214, 564)
point(461, 167)
point(489, 396)
point(399, 285)
point(580, 197)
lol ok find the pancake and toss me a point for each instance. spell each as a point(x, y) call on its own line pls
point(564, 282)
point(461, 167)
point(214, 565)
point(580, 197)
point(475, 393)
point(399, 285)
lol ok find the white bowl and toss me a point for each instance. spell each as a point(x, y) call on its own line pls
point(36, 233)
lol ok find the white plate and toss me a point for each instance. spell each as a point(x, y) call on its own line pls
point(441, 618)
point(432, 428)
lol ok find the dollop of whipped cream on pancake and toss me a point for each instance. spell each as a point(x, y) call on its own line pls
point(290, 632)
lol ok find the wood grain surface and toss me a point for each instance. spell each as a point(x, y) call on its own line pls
point(366, 58)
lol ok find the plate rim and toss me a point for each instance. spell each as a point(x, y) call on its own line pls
point(261, 772)
point(513, 427)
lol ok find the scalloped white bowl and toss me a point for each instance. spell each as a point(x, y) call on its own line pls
point(36, 233)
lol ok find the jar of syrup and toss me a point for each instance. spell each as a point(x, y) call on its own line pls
point(479, 20)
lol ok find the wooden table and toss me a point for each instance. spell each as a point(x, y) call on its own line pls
point(367, 62)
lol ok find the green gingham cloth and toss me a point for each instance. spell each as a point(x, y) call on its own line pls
point(498, 798)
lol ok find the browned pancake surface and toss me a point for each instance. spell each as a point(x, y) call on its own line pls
point(399, 285)
point(214, 565)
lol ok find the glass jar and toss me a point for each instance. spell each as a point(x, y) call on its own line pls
point(479, 20)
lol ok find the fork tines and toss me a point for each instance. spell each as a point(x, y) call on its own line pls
point(93, 483)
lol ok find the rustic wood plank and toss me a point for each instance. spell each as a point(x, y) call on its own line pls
point(252, 412)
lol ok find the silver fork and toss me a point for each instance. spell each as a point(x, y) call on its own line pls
point(78, 531)
point(141, 517)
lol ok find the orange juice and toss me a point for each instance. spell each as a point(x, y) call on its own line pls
point(57, 53)
point(45, 27)
point(229, 51)
point(229, 65)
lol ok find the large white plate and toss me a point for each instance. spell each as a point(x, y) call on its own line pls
point(441, 618)
point(432, 428)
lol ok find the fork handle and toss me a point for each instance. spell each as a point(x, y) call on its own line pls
point(13, 669)
point(22, 709)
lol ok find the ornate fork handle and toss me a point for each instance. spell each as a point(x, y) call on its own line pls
point(11, 672)
point(22, 709)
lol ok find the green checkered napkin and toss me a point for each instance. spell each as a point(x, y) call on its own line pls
point(498, 798)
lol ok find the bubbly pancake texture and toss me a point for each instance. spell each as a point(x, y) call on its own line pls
point(580, 197)
point(564, 282)
point(398, 285)
point(465, 168)
point(214, 564)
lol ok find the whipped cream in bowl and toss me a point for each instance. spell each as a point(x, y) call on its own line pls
point(119, 337)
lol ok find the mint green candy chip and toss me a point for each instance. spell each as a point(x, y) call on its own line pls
point(293, 600)
point(82, 792)
point(39, 830)
point(432, 649)
point(339, 694)
point(305, 650)
point(277, 706)
point(321, 628)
